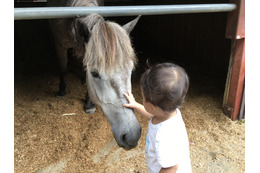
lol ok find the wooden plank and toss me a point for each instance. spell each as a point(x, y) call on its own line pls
point(235, 30)
point(230, 67)
point(235, 90)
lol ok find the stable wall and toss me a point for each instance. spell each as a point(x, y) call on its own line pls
point(195, 41)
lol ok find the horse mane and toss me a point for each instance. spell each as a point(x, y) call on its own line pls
point(80, 3)
point(109, 46)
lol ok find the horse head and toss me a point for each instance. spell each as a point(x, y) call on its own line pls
point(109, 60)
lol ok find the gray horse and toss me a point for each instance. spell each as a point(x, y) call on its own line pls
point(108, 58)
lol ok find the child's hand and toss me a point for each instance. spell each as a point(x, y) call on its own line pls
point(137, 106)
point(132, 103)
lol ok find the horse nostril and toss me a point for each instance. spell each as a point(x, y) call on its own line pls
point(124, 139)
point(130, 139)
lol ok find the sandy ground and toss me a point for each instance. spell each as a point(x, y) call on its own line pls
point(48, 140)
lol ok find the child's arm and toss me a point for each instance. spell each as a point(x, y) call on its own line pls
point(137, 106)
point(172, 169)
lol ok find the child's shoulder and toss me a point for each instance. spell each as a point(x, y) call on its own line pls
point(174, 124)
point(175, 119)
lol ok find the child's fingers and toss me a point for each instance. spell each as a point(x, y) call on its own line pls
point(126, 105)
point(130, 94)
point(130, 98)
point(126, 96)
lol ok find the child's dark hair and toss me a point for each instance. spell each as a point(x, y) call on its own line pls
point(165, 85)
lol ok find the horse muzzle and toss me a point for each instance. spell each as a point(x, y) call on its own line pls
point(129, 140)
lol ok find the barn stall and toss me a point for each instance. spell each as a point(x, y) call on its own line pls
point(55, 134)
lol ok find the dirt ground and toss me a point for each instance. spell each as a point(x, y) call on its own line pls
point(48, 140)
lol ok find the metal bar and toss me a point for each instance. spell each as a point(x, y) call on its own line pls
point(109, 11)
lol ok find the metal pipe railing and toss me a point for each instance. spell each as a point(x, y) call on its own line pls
point(109, 11)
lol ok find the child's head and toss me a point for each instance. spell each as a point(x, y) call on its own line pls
point(165, 85)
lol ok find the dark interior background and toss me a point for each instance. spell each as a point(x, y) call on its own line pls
point(195, 41)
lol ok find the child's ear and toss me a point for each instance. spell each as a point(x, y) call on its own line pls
point(152, 107)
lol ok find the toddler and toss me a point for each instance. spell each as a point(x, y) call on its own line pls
point(163, 89)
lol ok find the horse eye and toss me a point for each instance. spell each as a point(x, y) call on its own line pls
point(95, 74)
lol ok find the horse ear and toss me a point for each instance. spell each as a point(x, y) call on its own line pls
point(130, 25)
point(81, 29)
